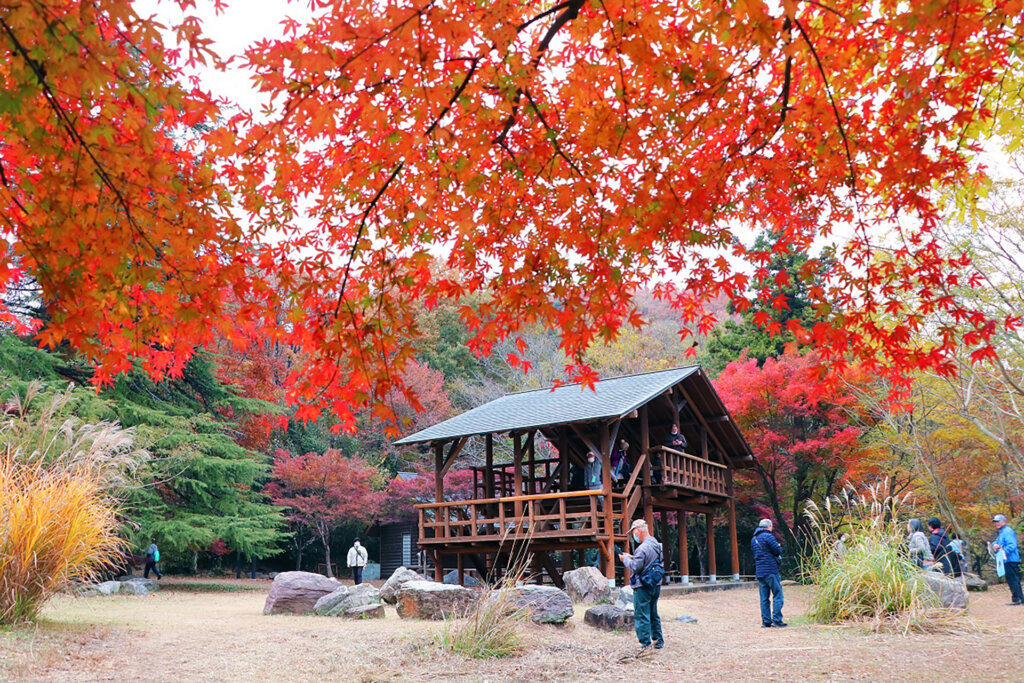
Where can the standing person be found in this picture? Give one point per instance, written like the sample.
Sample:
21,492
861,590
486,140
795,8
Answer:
592,472
648,569
357,557
917,544
767,552
152,557
620,465
942,549
1006,541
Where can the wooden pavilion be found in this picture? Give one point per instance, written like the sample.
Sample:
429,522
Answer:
529,500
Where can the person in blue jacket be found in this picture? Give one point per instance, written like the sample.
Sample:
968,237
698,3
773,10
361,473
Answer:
767,552
1007,542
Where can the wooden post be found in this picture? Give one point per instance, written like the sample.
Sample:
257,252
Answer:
531,487
517,478
733,543
606,487
438,477
704,442
438,567
564,461
712,566
645,449
684,548
460,569
489,466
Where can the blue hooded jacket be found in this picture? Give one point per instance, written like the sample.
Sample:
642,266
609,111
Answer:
767,552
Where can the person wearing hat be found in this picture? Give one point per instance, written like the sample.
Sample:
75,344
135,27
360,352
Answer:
1006,541
357,557
647,567
767,552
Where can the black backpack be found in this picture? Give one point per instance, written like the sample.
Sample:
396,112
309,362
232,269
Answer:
654,573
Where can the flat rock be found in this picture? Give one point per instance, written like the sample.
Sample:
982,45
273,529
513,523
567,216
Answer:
149,584
975,583
133,588
546,604
431,600
452,579
389,591
686,619
609,618
345,598
587,585
365,612
108,588
625,599
950,591
297,592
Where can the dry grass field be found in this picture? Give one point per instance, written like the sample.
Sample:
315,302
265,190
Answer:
216,635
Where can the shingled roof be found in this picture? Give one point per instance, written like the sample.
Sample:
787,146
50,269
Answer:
610,398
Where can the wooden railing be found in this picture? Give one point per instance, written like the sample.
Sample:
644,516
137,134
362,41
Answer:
548,516
503,476
690,472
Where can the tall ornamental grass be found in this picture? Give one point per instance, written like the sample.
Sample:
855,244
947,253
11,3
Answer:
56,526
871,581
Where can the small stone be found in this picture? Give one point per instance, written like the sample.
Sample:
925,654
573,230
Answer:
365,612
609,618
452,579
686,619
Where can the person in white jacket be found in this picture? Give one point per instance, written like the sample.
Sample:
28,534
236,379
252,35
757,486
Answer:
357,557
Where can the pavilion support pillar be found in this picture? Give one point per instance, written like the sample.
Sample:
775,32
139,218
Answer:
460,569
684,548
438,473
645,450
712,565
489,466
517,477
563,462
438,567
567,561
606,488
733,543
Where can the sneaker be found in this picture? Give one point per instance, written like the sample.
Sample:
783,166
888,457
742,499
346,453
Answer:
658,646
766,625
1015,603
779,624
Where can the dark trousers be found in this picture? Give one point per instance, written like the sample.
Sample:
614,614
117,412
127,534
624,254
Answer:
150,564
770,586
1013,580
645,615
357,575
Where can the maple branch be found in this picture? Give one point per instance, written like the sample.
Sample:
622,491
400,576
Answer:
825,7
359,234
10,190
832,101
554,138
543,14
455,96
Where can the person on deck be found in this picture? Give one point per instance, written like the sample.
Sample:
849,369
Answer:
673,440
152,557
942,549
620,464
592,472
767,552
1007,542
917,544
646,565
357,557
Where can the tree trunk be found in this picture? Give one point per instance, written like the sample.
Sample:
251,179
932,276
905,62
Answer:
327,556
195,562
298,559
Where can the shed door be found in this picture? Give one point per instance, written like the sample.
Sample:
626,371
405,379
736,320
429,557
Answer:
406,550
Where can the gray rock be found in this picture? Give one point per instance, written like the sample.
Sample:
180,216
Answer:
149,584
389,591
609,618
625,599
345,598
975,583
951,592
86,590
546,604
365,612
431,600
133,588
587,585
297,592
686,619
108,588
452,579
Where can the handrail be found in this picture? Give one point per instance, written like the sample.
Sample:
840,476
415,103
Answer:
511,465
519,499
636,471
692,457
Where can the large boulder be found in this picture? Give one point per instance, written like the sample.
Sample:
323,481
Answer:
389,591
365,612
133,588
609,618
587,585
950,591
431,600
625,599
297,592
108,588
345,598
452,579
149,584
546,604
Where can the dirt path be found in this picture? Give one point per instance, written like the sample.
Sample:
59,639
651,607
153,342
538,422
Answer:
224,636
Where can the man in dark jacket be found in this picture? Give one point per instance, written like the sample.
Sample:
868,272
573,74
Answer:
942,549
645,597
767,552
152,557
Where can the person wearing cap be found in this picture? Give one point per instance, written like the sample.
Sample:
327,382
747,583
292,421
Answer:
645,597
1006,540
357,557
767,552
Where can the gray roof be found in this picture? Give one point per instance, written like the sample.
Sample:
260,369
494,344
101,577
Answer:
616,397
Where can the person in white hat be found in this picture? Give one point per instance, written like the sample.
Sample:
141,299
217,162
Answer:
648,569
1007,542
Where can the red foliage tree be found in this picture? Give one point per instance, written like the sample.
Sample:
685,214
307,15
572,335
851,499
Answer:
801,426
409,488
324,491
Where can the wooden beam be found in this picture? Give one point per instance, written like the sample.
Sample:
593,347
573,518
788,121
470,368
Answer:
452,453
712,564
721,448
606,487
645,450
517,475
733,543
438,473
489,466
586,439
